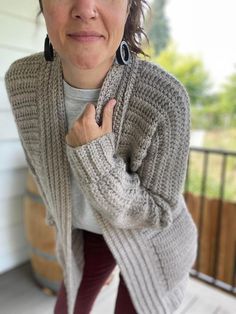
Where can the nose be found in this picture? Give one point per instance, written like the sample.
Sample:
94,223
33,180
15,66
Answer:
84,9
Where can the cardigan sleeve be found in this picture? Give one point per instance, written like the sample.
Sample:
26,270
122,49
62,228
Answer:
129,199
14,73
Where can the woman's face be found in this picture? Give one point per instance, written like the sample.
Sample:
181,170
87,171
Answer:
85,33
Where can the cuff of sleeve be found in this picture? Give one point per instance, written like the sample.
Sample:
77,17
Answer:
93,159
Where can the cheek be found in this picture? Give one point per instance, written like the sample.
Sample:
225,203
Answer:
54,15
55,20
117,25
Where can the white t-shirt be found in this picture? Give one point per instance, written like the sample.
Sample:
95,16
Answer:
75,102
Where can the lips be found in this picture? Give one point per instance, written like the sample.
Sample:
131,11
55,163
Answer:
85,35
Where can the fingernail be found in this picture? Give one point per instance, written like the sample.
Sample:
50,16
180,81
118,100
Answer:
112,102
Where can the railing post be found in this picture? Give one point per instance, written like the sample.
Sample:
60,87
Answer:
212,280
219,220
201,209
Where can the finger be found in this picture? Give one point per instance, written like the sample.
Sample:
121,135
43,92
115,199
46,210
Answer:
107,116
89,110
88,115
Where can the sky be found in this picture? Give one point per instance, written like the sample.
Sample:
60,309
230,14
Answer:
206,28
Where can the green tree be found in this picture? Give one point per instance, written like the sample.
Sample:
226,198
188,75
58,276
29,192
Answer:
227,95
157,27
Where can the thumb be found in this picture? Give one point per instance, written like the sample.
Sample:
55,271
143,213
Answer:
107,115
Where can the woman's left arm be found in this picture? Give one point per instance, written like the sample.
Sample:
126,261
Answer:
148,197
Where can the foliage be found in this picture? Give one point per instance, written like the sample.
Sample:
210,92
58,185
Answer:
157,26
227,95
210,117
218,110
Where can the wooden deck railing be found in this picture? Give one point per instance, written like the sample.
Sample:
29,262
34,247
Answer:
216,222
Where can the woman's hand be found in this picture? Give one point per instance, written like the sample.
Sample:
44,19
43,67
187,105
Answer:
85,129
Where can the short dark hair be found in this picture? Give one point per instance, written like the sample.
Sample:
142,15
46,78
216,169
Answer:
133,29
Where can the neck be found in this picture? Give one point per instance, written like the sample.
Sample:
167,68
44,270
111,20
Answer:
85,78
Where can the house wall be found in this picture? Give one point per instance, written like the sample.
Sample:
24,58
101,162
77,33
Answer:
20,36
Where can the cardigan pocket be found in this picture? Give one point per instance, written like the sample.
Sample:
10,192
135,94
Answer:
174,249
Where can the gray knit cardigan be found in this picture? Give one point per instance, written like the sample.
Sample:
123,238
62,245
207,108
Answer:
133,176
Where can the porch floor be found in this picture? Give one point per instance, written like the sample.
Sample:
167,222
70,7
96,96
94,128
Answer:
19,294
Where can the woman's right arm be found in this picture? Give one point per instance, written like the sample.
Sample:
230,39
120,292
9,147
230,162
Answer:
49,219
14,93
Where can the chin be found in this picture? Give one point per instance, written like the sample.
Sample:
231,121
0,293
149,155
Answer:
87,63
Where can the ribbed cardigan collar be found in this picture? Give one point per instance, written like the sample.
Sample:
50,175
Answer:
53,129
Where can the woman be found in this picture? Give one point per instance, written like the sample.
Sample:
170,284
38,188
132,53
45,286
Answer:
106,136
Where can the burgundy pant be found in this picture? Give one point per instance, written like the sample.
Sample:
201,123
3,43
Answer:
99,264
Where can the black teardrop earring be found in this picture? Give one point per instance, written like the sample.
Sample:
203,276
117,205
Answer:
123,53
48,50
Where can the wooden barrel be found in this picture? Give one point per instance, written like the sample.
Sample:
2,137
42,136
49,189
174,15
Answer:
41,239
